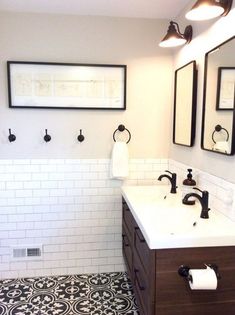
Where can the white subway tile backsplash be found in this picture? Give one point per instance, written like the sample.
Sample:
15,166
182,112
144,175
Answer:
6,177
50,184
41,193
56,161
24,193
21,176
21,162
30,185
14,185
221,192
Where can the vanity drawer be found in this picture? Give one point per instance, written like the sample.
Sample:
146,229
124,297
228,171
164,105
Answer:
143,287
128,219
171,259
146,255
200,309
127,251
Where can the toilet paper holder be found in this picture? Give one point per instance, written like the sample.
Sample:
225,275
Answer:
183,271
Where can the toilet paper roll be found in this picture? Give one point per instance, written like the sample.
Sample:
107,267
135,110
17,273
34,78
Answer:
203,279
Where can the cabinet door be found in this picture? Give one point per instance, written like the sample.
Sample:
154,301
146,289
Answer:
173,291
145,254
143,286
140,262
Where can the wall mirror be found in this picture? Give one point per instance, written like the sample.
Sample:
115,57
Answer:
218,124
185,98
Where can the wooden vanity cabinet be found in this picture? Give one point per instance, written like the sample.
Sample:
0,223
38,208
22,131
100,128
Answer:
140,262
160,290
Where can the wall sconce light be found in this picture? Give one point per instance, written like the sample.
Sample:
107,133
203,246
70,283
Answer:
174,37
209,9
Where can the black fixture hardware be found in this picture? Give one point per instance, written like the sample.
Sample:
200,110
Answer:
11,137
122,128
209,9
204,200
172,180
47,137
174,37
183,271
218,128
80,136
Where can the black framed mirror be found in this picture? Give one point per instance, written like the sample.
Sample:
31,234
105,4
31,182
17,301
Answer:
185,99
218,117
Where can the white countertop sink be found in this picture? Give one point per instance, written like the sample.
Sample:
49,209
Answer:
166,223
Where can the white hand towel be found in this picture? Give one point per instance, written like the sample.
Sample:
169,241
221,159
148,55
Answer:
120,160
222,146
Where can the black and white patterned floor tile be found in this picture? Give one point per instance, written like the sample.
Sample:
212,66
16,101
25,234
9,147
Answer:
94,294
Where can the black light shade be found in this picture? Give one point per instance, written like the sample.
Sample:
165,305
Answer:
174,37
209,9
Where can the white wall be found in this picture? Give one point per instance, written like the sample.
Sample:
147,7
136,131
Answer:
207,35
60,194
57,38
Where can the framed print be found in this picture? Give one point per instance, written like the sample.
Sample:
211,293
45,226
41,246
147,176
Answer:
66,85
225,88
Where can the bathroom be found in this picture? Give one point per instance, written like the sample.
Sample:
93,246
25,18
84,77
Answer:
58,196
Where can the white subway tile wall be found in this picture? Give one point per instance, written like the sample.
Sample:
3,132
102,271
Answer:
71,207
221,192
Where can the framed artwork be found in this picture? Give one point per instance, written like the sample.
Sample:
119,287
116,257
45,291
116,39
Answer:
225,88
66,85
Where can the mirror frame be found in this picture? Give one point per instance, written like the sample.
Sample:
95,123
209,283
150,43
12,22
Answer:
204,105
193,104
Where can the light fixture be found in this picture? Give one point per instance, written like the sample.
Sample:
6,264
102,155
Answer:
209,9
174,37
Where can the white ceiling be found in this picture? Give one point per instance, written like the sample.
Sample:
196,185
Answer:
122,8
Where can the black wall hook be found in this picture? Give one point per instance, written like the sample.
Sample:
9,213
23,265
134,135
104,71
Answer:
80,136
47,137
122,128
11,137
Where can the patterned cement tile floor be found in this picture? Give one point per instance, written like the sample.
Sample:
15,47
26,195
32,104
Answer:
92,294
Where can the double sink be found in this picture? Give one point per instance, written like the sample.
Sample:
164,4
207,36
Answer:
167,223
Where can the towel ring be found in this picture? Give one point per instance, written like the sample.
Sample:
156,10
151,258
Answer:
218,128
122,128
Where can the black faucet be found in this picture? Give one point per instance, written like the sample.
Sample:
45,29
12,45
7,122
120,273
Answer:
203,201
172,180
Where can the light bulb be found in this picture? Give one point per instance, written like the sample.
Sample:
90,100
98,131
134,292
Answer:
204,12
173,42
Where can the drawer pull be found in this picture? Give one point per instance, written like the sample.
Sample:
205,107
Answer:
142,288
123,239
140,237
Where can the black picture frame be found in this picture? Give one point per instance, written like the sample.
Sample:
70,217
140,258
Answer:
51,85
224,104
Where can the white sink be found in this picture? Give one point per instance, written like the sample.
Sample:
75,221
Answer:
166,223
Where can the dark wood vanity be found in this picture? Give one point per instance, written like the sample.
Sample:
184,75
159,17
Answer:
157,285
